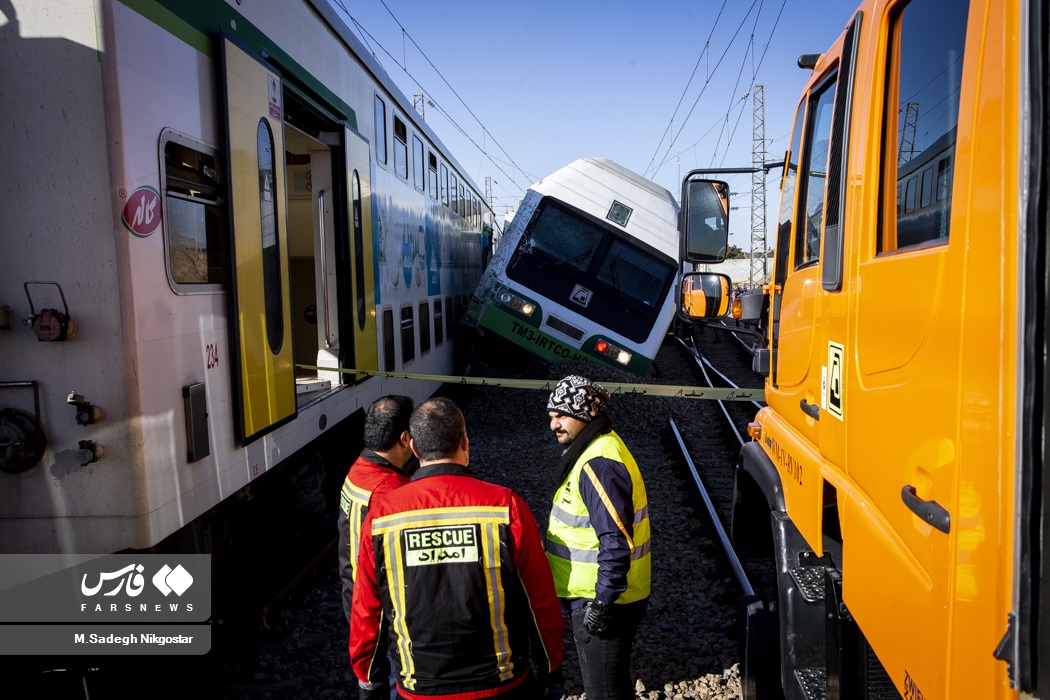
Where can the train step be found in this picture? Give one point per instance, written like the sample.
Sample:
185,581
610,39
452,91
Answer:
809,580
813,682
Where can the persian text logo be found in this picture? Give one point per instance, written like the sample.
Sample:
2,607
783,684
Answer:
130,575
130,579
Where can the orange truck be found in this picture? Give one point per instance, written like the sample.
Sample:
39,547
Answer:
897,476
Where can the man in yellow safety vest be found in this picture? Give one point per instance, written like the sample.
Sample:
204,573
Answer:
598,537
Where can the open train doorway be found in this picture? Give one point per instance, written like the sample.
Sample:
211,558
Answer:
316,211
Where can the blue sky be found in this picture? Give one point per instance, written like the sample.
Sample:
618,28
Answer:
521,89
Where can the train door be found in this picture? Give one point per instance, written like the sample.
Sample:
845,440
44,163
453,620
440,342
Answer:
260,310
361,321
903,402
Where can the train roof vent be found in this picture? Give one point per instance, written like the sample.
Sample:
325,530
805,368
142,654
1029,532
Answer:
563,327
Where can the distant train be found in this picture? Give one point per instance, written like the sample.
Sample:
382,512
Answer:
586,269
207,200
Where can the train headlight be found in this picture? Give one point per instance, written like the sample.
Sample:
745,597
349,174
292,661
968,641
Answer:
517,303
601,346
623,357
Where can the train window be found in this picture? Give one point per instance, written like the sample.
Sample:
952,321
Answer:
388,340
271,248
927,187
380,117
408,335
909,196
453,183
450,319
433,162
566,238
463,209
444,184
424,327
196,230
400,149
920,117
633,273
814,173
439,324
418,171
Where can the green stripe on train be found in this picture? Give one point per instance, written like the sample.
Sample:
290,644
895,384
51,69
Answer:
532,339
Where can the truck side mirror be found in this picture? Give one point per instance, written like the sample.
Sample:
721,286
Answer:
704,220
704,295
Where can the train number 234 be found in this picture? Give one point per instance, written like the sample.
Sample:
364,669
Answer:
211,350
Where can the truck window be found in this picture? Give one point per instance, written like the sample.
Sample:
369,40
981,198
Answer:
814,173
787,199
924,78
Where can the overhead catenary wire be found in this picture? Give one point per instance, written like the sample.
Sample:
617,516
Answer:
722,119
685,90
432,102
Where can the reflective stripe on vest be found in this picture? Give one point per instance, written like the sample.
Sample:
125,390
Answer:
572,544
353,501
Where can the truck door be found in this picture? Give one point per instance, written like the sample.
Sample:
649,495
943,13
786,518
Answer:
260,318
903,404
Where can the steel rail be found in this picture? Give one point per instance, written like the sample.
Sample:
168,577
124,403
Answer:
720,531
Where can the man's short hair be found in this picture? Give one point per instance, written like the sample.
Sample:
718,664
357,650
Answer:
386,419
437,427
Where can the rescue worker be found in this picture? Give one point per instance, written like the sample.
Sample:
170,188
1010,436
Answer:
457,565
598,537
384,464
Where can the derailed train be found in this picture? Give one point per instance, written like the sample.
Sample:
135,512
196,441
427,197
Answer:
586,269
211,209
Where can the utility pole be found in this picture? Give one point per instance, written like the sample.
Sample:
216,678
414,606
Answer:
488,190
758,187
911,123
418,103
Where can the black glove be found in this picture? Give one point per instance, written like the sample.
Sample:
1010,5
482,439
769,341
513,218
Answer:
373,691
554,690
596,618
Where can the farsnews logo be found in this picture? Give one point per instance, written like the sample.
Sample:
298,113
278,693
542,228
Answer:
130,580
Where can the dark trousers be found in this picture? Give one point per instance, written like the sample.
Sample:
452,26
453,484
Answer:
605,662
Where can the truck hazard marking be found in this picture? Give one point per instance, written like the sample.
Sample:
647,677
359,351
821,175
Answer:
833,391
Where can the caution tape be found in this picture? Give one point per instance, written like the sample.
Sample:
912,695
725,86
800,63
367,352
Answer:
680,392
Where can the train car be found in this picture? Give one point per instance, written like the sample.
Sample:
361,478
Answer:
897,477
586,269
210,209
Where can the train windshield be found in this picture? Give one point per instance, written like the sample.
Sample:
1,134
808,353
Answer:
563,249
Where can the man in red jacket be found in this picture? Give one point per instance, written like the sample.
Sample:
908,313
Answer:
462,578
384,464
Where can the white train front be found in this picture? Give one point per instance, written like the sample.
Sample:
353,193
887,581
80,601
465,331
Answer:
202,201
585,270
